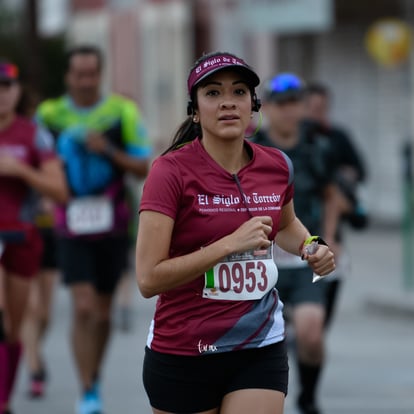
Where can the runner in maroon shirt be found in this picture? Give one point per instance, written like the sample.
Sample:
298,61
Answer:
211,208
27,164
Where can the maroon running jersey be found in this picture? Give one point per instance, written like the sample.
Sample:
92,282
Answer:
23,140
208,203
31,145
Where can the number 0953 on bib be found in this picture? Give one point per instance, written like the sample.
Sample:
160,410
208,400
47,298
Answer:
242,276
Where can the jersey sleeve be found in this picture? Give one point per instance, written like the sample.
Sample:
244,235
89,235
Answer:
134,132
47,116
44,144
44,113
163,188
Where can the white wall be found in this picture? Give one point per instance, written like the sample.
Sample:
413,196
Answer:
92,27
374,103
166,53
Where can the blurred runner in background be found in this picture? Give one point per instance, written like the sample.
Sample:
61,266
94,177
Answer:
39,309
313,198
100,139
350,172
27,164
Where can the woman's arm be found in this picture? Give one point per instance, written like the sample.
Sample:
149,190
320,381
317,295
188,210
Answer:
99,144
48,180
157,273
291,233
291,237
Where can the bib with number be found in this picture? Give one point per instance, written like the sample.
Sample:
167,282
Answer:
90,215
242,276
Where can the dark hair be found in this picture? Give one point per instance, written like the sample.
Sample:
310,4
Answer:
22,106
83,50
190,130
317,88
28,102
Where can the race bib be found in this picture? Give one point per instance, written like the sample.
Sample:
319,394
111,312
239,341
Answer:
242,276
90,215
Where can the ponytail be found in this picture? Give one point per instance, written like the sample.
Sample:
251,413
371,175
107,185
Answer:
188,131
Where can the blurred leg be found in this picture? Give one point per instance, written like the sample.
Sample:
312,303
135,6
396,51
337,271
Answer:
82,335
36,325
102,330
90,336
309,328
123,305
16,294
3,348
332,291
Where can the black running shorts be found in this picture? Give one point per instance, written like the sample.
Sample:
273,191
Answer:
189,384
295,287
100,261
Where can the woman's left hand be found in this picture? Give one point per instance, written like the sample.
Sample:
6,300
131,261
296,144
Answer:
322,261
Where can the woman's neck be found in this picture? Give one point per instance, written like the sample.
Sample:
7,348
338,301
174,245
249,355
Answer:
6,120
230,155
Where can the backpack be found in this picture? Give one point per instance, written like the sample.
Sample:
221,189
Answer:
87,173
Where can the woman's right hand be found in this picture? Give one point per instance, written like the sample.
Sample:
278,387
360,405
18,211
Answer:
252,235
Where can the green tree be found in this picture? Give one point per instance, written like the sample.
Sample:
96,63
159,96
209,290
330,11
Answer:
40,59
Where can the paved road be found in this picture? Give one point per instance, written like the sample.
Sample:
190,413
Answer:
370,366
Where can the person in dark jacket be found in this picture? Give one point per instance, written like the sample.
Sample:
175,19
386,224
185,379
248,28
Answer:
314,198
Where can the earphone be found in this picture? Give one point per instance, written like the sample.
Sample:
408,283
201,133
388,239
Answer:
255,106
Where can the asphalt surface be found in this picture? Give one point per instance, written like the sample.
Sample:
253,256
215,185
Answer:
370,345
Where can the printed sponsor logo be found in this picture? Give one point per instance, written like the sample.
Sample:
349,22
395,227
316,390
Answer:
232,200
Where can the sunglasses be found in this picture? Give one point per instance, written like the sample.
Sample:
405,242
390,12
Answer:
285,82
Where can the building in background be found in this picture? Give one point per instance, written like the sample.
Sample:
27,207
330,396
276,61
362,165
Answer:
324,40
150,44
148,49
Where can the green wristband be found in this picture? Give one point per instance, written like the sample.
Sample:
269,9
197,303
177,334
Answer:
310,240
316,239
